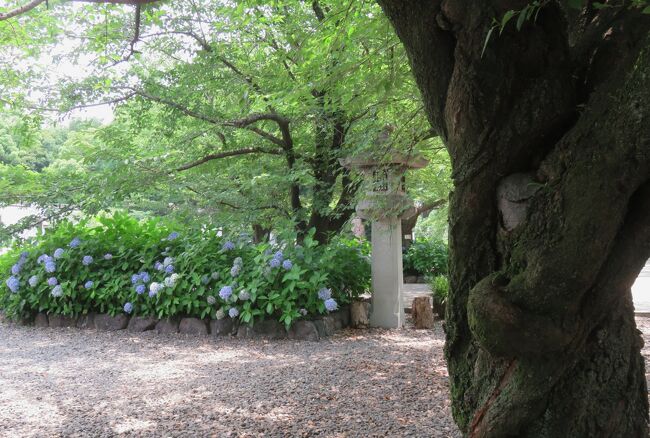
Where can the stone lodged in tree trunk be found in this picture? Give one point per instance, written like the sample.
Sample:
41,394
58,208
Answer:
547,129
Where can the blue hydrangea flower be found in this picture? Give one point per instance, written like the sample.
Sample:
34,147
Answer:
144,276
108,256
139,289
33,280
244,295
275,263
42,258
24,255
128,308
169,269
158,266
89,284
225,292
87,260
58,253
287,264
13,283
233,312
325,294
235,270
205,279
75,242
15,269
52,281
331,305
170,282
211,300
135,278
168,261
278,255
173,236
50,266
228,246
57,291
215,275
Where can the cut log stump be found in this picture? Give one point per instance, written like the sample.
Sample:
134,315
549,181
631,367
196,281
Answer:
360,314
422,313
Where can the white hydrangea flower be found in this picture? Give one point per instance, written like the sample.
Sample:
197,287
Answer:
244,295
221,314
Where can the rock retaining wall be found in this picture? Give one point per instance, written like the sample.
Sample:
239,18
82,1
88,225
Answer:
306,330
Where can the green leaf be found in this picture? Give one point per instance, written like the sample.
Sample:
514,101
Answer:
506,17
522,17
487,40
575,4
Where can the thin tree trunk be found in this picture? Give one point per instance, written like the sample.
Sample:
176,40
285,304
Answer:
546,127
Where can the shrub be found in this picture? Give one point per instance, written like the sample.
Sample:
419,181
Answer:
117,264
439,288
426,257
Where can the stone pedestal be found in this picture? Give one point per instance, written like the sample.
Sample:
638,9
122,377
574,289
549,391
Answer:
387,308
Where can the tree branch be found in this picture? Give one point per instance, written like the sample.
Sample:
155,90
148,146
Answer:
183,109
244,151
118,2
318,10
20,10
243,123
31,5
425,208
76,107
136,36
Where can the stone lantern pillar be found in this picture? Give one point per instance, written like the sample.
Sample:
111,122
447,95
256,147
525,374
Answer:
384,204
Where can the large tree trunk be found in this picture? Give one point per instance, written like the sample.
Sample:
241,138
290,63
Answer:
550,215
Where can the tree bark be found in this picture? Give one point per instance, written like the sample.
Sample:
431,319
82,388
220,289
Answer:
260,233
547,131
410,220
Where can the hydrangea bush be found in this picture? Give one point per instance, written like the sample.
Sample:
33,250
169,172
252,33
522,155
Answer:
116,264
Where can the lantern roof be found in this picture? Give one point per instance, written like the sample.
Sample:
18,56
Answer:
369,160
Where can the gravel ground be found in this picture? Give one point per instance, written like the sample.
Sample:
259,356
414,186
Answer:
68,382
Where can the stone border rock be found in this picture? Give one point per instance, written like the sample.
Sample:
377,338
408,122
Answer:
304,330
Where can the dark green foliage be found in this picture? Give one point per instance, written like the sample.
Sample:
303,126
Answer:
439,287
427,257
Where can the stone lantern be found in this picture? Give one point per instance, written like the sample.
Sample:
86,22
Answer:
384,205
